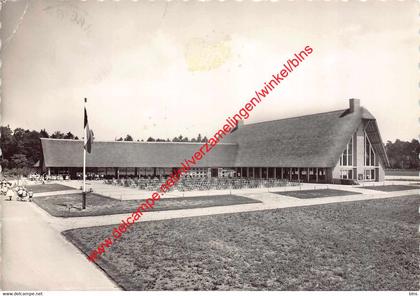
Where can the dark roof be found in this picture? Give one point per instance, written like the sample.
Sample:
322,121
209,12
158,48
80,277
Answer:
315,140
69,153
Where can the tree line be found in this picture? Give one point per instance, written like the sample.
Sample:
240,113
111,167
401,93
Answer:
180,138
403,154
21,148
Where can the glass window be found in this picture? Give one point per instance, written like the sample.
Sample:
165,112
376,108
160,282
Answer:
346,158
369,153
372,157
367,149
346,174
368,174
350,152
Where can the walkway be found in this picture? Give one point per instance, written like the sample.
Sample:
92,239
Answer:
37,257
269,201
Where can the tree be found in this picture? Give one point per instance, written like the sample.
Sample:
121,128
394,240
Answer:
128,138
18,136
180,138
21,148
8,145
204,139
20,161
57,135
69,135
31,146
199,139
150,139
403,154
120,139
5,164
43,134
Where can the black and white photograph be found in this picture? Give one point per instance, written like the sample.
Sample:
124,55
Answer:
209,146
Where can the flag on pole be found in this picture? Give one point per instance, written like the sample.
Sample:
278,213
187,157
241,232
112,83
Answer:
88,134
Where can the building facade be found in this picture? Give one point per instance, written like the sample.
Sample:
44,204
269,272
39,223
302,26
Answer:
324,147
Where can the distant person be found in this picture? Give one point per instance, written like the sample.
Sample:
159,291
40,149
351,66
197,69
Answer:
30,195
9,193
24,194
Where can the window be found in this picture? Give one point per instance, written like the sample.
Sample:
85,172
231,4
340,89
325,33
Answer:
370,174
369,153
346,159
350,152
346,174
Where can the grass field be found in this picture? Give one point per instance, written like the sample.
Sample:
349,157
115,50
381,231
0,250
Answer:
390,188
364,245
403,179
316,193
401,172
48,187
101,205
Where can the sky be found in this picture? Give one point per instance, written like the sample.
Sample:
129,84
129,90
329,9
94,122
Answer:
162,69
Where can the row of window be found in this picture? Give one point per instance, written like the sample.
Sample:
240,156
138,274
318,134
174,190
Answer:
346,158
369,174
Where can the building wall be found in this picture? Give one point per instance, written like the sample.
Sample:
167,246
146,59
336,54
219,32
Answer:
335,172
381,173
360,152
359,160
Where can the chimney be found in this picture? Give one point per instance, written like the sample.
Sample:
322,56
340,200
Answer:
354,105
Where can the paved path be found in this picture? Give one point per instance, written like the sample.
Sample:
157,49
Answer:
62,192
269,201
37,257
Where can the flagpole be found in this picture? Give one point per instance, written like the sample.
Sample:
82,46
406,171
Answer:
84,161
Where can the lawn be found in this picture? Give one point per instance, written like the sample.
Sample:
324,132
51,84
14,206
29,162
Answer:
101,205
364,245
314,193
48,187
390,188
401,172
411,179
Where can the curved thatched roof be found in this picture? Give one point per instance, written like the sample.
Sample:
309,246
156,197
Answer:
315,140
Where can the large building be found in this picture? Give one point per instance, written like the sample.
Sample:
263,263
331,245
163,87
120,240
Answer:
324,147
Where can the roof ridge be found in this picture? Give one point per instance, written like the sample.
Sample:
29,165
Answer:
136,142
341,110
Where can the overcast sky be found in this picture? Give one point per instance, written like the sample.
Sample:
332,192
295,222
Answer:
167,68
